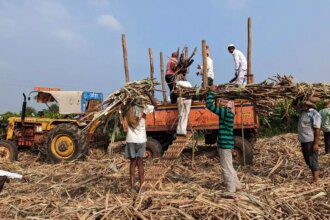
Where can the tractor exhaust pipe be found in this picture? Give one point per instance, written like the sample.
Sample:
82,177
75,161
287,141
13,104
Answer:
23,108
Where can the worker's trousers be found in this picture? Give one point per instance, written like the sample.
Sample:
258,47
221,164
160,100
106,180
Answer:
184,110
231,180
241,79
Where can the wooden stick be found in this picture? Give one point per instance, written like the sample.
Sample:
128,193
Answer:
186,56
204,64
250,76
162,76
123,39
152,69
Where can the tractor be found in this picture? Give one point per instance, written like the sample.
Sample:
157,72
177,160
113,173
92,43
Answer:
60,139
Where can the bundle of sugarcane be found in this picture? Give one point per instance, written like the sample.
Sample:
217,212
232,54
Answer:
183,63
267,94
120,100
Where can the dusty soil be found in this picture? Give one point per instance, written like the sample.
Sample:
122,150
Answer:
276,186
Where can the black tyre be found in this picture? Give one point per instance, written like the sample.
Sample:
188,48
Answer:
239,149
66,142
8,151
101,137
154,148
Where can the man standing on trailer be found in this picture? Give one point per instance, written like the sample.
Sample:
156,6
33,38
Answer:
240,65
136,138
309,135
325,115
171,68
226,113
209,71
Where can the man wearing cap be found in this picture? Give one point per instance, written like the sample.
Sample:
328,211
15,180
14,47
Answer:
325,115
309,135
226,113
240,65
171,69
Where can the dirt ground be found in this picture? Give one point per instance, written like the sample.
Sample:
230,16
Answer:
276,186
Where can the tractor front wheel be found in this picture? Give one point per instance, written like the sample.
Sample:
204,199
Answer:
8,151
66,142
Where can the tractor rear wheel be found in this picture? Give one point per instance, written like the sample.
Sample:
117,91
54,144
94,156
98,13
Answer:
8,151
239,148
154,149
66,142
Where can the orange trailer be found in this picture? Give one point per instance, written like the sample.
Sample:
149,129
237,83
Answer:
161,127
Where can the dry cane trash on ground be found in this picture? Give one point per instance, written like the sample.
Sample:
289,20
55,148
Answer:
276,186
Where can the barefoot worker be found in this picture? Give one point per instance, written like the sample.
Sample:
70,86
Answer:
136,139
309,135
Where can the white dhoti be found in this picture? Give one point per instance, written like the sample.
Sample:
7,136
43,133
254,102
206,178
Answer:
231,180
241,77
184,110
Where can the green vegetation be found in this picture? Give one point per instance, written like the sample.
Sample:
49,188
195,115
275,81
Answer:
284,120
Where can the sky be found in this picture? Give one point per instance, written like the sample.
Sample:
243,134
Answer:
76,44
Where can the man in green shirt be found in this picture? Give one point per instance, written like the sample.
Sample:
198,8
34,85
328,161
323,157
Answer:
325,125
226,113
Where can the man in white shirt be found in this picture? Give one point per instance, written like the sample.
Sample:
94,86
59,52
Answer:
240,65
209,71
136,138
5,176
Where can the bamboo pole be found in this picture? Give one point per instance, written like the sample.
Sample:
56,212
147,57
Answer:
250,76
186,56
123,39
204,64
152,69
162,75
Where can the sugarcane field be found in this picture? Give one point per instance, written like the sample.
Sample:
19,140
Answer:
120,110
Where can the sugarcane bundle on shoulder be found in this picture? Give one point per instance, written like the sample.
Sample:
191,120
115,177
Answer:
120,100
267,94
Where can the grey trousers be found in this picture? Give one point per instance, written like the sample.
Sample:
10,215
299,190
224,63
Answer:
232,182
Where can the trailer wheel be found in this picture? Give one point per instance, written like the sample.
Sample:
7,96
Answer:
8,151
101,137
154,149
66,142
238,151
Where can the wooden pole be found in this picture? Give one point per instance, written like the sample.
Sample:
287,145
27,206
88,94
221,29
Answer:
186,56
250,76
123,39
186,52
152,69
162,75
204,64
